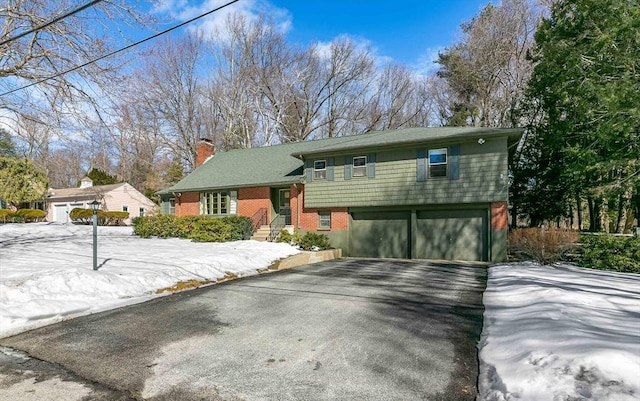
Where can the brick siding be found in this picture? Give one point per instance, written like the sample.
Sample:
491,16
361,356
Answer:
188,204
499,216
250,200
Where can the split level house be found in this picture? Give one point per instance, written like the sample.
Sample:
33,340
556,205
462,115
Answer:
423,193
121,197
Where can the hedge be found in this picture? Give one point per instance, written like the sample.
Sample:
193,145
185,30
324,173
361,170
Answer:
608,252
109,218
22,215
197,228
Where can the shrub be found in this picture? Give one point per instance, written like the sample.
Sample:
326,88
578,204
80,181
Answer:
162,226
285,236
241,227
607,252
311,241
110,218
544,245
113,218
31,215
7,216
211,230
80,215
198,228
22,215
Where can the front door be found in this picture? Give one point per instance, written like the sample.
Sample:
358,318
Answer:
284,204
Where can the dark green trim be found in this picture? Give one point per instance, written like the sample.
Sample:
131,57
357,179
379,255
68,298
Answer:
348,162
330,163
421,165
371,165
454,162
309,167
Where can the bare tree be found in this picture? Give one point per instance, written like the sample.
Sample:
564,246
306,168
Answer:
233,93
486,72
171,84
326,85
401,99
46,53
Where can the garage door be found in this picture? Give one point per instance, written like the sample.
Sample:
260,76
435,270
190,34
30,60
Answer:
379,234
452,235
60,214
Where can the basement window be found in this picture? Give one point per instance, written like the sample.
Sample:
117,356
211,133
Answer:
324,220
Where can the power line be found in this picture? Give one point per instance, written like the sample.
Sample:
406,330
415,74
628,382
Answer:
53,21
120,50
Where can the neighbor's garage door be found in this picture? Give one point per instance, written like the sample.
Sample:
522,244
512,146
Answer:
451,235
379,234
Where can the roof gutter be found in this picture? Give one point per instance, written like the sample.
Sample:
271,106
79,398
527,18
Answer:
489,133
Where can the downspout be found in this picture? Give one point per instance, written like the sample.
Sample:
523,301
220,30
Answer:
298,206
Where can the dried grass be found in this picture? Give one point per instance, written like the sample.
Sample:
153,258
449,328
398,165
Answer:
544,245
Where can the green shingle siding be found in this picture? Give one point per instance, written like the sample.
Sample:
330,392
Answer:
482,178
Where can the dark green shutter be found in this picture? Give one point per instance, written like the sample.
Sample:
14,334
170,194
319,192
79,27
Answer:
330,169
348,162
421,160
309,165
454,162
371,165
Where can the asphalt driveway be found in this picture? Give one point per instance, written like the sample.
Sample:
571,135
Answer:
342,330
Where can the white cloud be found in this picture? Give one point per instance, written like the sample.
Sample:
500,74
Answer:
166,6
426,64
323,49
183,10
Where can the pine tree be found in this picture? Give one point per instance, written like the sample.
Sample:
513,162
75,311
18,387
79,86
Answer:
586,87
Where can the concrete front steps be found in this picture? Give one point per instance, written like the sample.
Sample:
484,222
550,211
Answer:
263,232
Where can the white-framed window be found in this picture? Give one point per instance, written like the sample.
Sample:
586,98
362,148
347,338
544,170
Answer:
324,220
141,212
214,202
360,166
172,205
319,169
437,163
125,208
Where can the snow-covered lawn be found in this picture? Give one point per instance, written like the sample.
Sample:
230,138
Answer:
46,270
550,333
560,333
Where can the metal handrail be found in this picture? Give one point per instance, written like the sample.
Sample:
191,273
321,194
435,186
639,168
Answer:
276,225
259,218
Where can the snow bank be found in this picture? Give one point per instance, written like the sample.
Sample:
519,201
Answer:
560,333
46,270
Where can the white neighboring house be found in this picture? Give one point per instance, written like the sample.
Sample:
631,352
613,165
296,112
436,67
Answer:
120,197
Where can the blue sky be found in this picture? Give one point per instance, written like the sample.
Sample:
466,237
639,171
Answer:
404,30
408,31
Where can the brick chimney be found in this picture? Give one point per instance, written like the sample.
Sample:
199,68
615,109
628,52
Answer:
204,150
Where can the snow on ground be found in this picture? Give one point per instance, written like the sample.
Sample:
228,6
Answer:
550,333
560,333
46,270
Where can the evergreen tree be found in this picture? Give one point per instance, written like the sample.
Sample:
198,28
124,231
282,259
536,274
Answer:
100,177
21,181
585,89
7,147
